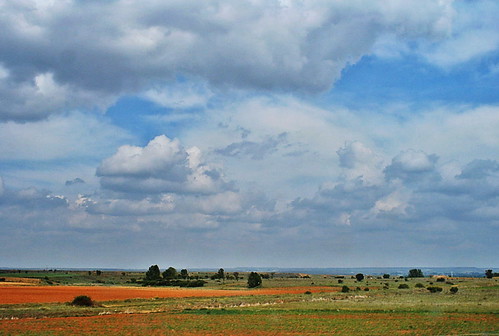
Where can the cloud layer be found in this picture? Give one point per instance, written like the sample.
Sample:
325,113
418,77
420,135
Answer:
73,54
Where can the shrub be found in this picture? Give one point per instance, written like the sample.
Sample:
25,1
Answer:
366,289
340,281
453,290
359,276
403,286
254,280
83,301
419,285
308,292
440,279
386,276
2,279
434,289
345,289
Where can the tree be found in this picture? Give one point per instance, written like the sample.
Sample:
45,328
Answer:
184,274
170,273
415,273
254,280
359,276
221,274
386,276
98,272
236,275
489,274
153,273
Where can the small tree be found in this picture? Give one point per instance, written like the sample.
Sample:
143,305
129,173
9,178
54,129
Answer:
170,273
254,280
386,276
345,289
236,276
184,274
453,290
489,274
153,273
359,276
221,274
415,273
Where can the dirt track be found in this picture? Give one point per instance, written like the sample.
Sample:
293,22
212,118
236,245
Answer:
40,294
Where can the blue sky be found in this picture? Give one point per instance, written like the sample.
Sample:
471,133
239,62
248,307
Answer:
249,133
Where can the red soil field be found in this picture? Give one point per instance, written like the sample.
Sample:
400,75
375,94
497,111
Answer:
40,294
258,325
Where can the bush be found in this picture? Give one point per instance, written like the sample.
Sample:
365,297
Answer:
254,280
359,276
366,289
403,286
434,289
345,289
453,290
83,301
440,279
308,292
419,285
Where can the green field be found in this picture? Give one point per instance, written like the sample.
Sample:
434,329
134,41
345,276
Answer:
384,309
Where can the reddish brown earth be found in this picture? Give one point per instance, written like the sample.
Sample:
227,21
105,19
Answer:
40,294
254,324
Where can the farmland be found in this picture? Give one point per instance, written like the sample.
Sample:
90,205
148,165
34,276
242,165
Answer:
314,305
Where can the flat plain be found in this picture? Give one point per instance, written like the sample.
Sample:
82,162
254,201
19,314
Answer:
284,305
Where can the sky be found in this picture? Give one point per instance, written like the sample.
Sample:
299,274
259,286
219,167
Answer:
249,133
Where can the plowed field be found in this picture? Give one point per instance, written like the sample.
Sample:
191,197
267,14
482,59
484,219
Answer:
41,294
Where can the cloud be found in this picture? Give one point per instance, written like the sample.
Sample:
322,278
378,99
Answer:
70,136
31,198
77,54
479,169
182,95
255,150
162,166
475,32
125,207
41,96
412,165
74,181
361,162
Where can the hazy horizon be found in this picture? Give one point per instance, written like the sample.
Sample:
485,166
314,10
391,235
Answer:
246,132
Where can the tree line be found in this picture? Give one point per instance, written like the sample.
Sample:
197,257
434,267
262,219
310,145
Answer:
171,277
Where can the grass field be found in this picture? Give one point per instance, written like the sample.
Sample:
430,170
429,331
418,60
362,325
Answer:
310,309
